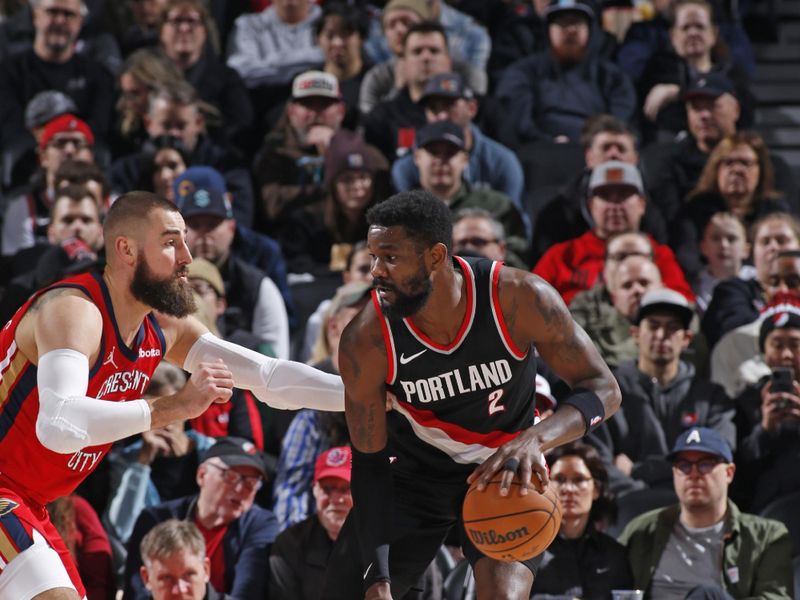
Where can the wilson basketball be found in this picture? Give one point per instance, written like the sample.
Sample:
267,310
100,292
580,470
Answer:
514,527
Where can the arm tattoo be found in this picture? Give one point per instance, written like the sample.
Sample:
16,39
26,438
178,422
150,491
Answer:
49,296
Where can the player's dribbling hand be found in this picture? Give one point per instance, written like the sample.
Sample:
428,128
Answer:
521,455
379,591
211,382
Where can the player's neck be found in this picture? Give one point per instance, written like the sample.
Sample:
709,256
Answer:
128,311
443,314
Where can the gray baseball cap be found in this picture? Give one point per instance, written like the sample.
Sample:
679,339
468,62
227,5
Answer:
615,172
46,106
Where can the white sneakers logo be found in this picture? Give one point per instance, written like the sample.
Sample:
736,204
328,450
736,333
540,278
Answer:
404,360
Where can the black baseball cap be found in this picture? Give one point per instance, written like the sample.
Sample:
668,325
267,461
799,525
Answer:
446,85
710,85
559,7
441,131
237,452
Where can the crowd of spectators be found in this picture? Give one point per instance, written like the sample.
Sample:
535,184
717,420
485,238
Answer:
620,165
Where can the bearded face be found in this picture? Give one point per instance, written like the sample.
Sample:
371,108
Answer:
171,295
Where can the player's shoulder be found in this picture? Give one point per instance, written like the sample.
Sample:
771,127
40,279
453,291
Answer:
364,326
67,301
519,281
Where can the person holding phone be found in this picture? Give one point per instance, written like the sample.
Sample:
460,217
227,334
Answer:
768,413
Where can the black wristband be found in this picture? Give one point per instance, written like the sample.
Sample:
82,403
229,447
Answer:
373,499
589,405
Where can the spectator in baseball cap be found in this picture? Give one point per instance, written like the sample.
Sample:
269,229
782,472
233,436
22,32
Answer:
298,557
441,158
318,238
64,137
237,531
205,204
289,165
616,204
44,107
447,97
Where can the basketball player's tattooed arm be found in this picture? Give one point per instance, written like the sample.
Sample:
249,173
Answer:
363,366
536,314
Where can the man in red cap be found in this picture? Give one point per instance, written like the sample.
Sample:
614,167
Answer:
27,216
300,554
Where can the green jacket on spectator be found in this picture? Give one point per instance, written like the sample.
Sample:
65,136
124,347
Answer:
757,550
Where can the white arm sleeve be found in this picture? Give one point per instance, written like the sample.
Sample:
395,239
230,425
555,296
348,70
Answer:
68,419
279,383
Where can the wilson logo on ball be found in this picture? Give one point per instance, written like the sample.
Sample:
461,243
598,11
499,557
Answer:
492,537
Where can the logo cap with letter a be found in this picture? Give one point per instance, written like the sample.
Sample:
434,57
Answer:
702,439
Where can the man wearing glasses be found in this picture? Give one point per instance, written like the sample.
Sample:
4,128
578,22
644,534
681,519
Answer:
26,217
704,547
237,533
54,64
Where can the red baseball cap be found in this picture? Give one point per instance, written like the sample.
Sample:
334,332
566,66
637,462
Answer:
65,124
334,462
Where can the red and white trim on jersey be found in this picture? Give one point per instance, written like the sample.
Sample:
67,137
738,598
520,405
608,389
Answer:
461,445
12,350
466,324
388,340
497,313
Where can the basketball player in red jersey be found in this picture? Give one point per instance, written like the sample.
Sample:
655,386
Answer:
452,339
74,363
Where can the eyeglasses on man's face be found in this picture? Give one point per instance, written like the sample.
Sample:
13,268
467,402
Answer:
234,478
704,466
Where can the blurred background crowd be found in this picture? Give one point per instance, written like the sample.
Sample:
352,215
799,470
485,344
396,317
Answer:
618,150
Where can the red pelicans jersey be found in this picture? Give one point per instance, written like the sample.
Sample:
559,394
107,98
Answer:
456,404
120,373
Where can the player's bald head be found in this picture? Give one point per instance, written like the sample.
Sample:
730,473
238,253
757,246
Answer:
130,216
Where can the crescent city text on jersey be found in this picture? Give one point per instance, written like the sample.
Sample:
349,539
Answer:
124,381
471,378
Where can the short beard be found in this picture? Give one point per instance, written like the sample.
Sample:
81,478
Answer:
170,296
406,305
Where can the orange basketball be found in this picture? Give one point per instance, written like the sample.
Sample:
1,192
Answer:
514,527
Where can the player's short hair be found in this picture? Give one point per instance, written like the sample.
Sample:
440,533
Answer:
132,207
425,218
169,537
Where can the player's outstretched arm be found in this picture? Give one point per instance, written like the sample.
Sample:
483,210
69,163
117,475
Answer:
63,332
535,313
282,384
362,362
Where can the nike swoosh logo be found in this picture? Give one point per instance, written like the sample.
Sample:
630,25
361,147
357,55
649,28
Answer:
602,570
367,571
404,360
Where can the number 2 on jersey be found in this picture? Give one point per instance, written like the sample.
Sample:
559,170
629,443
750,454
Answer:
494,402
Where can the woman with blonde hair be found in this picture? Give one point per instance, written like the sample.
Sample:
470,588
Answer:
738,178
144,71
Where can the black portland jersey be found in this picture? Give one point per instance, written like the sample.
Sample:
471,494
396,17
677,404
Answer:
458,403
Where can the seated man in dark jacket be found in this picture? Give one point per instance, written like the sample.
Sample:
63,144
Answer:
662,396
237,533
551,94
298,559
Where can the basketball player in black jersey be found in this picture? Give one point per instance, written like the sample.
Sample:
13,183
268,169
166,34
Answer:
452,340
